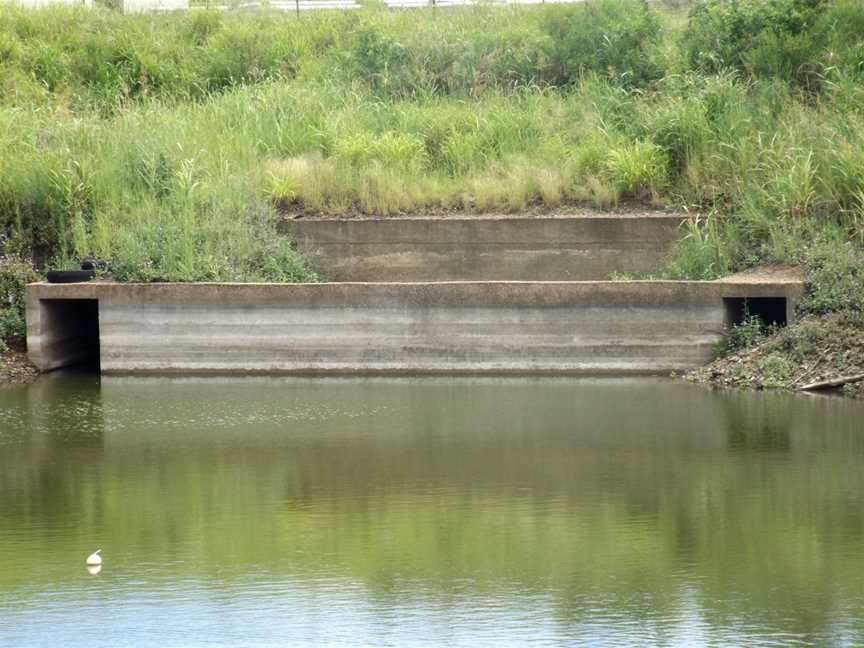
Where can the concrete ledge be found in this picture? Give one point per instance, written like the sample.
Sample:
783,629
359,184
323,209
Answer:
449,327
581,247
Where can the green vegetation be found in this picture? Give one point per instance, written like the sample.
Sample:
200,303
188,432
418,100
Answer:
743,335
14,275
815,348
827,342
169,145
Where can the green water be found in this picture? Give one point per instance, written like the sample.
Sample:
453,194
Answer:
270,512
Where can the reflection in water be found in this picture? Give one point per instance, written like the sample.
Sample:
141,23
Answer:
428,512
757,424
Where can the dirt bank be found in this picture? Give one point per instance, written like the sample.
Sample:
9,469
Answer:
15,368
816,348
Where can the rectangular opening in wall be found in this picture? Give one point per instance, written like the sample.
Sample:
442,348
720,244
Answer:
70,330
769,310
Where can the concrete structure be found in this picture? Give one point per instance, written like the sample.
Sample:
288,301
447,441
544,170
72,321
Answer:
581,247
448,327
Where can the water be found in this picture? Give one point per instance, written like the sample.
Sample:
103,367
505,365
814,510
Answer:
263,512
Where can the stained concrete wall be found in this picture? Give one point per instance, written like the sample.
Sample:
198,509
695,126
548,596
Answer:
459,327
477,248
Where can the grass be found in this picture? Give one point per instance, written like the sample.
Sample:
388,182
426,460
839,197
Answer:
170,145
197,182
825,342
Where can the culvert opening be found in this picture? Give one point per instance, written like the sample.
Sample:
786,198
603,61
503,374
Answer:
771,311
71,327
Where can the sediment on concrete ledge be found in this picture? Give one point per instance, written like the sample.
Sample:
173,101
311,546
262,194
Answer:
576,247
446,327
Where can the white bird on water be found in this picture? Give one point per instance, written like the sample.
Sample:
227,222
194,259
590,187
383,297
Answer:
94,559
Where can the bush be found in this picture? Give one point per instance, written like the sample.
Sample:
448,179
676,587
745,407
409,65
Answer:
681,127
243,54
102,59
383,61
722,33
836,278
449,58
776,371
15,274
742,336
612,38
799,41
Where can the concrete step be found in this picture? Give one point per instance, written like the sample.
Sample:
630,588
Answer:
570,247
396,328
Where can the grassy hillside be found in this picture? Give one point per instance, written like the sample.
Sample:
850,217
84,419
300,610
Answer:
168,145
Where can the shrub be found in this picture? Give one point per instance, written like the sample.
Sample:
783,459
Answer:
383,61
722,33
15,274
843,25
682,128
776,371
446,58
742,336
512,54
243,55
836,278
800,41
103,59
613,38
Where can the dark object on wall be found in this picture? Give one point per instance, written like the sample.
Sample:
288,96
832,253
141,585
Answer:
70,276
93,264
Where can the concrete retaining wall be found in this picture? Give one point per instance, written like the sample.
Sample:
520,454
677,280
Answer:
460,327
475,248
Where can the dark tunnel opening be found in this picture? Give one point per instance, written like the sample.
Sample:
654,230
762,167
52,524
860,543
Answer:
771,311
71,328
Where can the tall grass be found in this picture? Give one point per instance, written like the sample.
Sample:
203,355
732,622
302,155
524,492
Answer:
170,145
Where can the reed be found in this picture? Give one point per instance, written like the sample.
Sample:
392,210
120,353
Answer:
171,145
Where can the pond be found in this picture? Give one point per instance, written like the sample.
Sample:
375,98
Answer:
427,512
